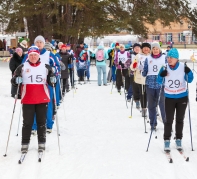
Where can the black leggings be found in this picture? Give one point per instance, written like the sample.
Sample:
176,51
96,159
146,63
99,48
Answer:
119,81
65,84
172,104
139,95
29,111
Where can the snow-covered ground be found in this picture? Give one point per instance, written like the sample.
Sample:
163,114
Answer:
98,139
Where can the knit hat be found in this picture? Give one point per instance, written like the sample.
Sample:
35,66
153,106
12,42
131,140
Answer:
85,46
117,44
68,45
63,46
136,45
173,53
121,45
39,38
60,43
145,44
48,46
19,50
155,44
33,49
24,42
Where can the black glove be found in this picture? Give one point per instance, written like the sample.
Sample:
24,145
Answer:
187,69
49,68
18,70
121,64
164,73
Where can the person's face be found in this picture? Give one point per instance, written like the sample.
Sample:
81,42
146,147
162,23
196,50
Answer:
20,53
63,49
68,47
168,48
137,49
146,50
172,61
39,44
81,45
82,57
59,46
33,57
156,51
121,48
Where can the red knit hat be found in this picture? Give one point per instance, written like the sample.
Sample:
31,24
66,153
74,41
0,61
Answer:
117,44
63,46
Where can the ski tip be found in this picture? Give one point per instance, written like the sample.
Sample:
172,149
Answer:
39,160
187,159
19,162
171,161
5,155
155,137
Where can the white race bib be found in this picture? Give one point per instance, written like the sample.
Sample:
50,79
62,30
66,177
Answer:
175,80
122,57
34,75
45,58
154,65
141,59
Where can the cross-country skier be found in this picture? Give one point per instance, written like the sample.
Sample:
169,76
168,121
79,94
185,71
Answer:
134,91
175,76
34,76
122,62
138,78
154,90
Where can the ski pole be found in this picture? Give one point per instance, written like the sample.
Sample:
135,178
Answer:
155,117
190,125
131,107
124,87
56,117
62,97
16,97
143,96
19,120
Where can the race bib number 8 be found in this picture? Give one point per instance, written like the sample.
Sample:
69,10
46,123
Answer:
155,68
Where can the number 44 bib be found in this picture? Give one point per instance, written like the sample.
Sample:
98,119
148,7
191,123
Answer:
34,75
175,80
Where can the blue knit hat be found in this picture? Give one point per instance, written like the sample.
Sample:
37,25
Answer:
173,53
85,46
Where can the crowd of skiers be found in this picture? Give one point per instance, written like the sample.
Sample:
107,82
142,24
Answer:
149,77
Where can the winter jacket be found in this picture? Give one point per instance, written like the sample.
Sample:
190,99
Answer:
128,61
82,64
138,78
66,59
15,61
24,48
100,47
151,81
188,78
50,60
77,52
34,90
71,53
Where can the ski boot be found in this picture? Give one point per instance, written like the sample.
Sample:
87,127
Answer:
167,145
144,112
137,104
24,148
178,144
41,146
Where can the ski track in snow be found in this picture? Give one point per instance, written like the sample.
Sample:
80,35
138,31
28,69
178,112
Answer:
98,139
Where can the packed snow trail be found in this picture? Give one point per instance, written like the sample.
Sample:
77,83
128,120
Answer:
98,139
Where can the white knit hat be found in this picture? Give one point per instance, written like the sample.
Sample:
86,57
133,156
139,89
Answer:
39,38
155,44
121,45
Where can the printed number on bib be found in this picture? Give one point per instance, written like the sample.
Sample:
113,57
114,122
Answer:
155,69
38,78
173,84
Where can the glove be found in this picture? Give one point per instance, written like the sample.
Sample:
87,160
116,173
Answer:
134,64
121,64
53,79
51,69
187,69
18,70
164,73
141,68
18,80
